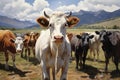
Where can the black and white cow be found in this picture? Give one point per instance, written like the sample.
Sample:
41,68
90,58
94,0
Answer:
111,46
80,44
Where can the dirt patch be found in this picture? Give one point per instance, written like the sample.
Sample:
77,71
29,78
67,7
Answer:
32,71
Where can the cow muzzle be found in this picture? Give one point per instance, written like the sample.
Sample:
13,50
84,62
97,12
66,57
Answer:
18,51
58,39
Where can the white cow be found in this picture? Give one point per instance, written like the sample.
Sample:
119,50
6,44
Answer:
53,47
94,45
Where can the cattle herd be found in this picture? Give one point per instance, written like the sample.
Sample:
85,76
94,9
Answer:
53,47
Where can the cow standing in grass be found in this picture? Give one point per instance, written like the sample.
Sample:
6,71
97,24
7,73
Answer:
30,40
111,46
53,46
7,46
80,44
94,46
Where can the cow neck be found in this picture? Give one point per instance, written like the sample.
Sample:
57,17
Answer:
54,47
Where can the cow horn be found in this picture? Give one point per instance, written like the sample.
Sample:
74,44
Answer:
69,14
46,15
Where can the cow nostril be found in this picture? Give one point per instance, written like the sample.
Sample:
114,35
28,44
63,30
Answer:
58,37
19,51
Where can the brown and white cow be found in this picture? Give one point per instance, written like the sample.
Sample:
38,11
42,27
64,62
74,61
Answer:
53,47
30,40
7,45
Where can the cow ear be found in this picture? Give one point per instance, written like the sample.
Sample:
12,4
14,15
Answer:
37,34
78,36
25,40
97,32
72,21
12,40
91,36
28,34
109,33
43,21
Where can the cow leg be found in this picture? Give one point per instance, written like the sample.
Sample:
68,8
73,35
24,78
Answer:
80,61
48,71
28,57
53,73
33,52
22,53
6,59
43,66
77,59
94,55
84,57
64,71
26,52
13,58
90,54
97,54
116,60
106,62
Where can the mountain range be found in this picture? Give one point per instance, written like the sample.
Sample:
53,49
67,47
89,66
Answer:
89,17
14,23
86,17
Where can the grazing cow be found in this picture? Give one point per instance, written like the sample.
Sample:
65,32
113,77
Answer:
80,44
7,45
30,40
53,46
111,46
94,45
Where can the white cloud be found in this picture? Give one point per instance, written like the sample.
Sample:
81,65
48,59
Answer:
92,5
67,8
14,8
40,4
95,5
24,11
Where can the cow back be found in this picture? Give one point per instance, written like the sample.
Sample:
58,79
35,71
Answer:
5,36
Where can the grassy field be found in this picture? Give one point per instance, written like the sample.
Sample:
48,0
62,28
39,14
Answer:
31,70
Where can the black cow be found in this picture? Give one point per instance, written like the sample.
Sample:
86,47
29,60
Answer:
111,46
80,44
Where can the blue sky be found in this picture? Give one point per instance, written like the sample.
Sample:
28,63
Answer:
31,9
56,3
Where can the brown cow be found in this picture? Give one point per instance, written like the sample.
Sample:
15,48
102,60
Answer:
30,43
7,44
70,35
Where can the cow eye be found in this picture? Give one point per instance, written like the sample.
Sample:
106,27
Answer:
50,25
66,24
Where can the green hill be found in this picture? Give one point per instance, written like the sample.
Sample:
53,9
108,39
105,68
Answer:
107,24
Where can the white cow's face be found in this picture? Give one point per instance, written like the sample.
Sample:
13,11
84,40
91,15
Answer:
19,44
85,39
57,24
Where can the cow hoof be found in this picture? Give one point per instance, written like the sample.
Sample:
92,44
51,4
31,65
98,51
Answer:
94,60
46,79
22,56
14,66
6,67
